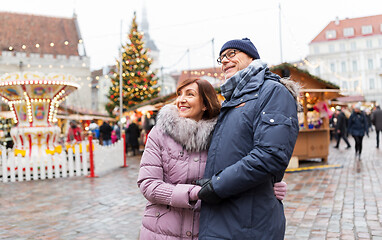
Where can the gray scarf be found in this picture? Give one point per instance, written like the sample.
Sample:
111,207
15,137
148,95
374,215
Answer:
237,82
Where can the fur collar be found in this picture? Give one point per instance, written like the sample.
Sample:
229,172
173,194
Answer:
192,135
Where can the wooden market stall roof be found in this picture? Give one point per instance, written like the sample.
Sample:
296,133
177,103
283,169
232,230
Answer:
309,80
309,83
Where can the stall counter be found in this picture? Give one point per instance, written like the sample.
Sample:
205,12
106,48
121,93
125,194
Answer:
312,143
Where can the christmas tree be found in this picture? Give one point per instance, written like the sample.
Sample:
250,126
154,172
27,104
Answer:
138,81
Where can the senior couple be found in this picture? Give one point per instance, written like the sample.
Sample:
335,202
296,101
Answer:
214,171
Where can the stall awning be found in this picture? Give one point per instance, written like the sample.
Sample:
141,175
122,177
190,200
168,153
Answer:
354,98
147,108
84,117
328,93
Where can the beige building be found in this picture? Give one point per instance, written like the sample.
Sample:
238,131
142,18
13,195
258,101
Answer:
348,53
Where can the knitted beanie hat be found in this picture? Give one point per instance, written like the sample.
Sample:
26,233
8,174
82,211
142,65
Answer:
245,45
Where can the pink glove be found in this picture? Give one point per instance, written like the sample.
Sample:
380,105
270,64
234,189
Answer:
194,193
280,189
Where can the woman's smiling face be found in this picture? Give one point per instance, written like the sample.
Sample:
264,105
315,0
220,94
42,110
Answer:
189,102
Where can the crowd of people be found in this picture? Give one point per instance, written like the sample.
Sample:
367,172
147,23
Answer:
356,123
109,133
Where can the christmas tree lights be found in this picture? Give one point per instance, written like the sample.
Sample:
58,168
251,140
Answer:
138,81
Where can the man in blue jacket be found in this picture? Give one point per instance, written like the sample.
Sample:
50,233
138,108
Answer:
250,149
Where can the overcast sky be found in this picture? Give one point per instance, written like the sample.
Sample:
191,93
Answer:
176,26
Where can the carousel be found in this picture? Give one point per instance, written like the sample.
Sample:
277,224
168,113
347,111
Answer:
34,99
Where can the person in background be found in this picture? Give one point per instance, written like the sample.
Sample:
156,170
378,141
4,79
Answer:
250,149
117,130
132,135
174,158
368,118
358,127
105,133
74,133
376,118
114,137
341,127
94,128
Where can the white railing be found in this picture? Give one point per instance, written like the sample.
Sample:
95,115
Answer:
77,161
107,158
43,167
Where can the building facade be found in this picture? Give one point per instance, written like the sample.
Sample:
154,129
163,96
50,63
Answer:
349,53
45,44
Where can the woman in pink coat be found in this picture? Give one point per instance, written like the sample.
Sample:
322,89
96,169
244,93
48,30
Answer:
174,158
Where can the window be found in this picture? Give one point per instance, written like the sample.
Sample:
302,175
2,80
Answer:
371,83
370,64
380,62
316,49
348,32
356,83
318,71
343,67
368,29
330,34
342,47
380,42
344,85
332,67
331,48
355,66
353,45
369,44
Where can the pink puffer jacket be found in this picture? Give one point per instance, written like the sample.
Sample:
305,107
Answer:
175,156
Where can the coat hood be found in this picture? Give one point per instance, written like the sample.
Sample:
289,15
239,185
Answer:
192,135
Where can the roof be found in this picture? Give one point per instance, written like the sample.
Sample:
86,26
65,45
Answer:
17,29
355,23
353,98
204,72
326,84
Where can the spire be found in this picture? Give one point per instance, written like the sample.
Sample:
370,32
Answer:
145,23
145,29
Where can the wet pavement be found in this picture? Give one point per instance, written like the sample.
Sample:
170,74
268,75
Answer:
334,203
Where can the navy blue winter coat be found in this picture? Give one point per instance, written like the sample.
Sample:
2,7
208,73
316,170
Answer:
250,149
358,125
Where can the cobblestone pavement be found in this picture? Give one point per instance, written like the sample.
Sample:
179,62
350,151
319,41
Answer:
338,203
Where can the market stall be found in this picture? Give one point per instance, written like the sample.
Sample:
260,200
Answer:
314,136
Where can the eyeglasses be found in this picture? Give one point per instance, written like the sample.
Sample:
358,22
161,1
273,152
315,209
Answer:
228,55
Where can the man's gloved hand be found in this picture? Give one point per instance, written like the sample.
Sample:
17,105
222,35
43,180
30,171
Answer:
207,192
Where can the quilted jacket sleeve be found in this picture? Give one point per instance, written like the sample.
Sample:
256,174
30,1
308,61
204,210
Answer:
151,176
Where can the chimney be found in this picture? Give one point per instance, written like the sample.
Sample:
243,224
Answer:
337,21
